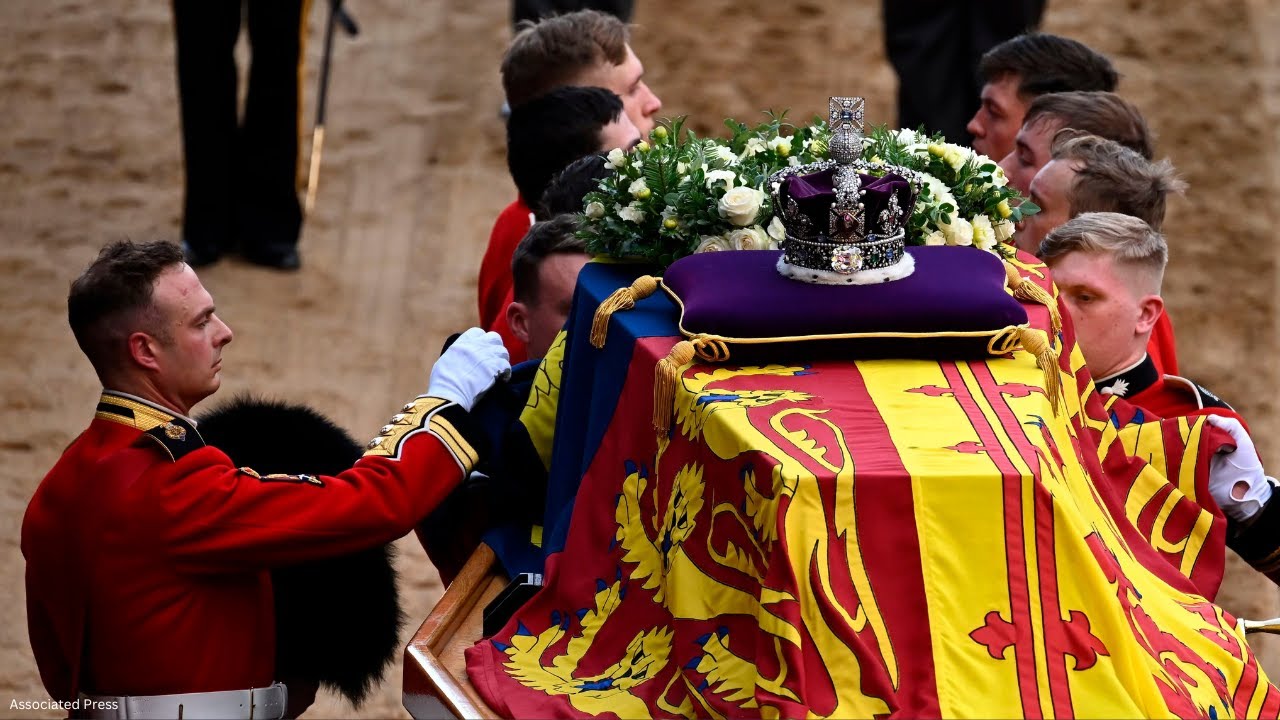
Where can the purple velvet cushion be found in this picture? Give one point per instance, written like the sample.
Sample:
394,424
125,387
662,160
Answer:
740,294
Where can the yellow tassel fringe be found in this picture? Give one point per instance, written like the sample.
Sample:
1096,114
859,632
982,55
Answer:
1036,342
621,299
666,377
1028,291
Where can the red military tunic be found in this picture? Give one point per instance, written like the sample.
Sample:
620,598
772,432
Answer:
1163,394
148,552
1161,347
494,284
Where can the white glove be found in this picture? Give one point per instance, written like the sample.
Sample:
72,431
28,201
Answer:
471,365
1236,479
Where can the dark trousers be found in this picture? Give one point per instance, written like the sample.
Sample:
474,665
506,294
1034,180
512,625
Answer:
241,173
537,9
935,46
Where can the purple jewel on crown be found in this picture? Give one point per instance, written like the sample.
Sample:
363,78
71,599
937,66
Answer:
845,218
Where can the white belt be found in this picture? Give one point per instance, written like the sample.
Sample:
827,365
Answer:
254,704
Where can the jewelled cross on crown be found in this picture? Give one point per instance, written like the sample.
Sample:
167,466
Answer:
846,128
847,217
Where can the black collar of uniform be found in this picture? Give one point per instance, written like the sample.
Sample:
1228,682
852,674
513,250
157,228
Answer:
1130,381
175,433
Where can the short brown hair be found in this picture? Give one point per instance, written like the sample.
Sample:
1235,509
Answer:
1047,63
1130,241
112,298
1113,178
558,50
1104,114
550,237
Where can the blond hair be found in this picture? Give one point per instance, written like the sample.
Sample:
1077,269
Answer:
1130,242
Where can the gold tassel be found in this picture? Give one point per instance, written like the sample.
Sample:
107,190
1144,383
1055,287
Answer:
1028,291
621,299
1037,343
666,377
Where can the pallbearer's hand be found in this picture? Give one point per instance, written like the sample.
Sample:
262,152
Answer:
1236,479
471,365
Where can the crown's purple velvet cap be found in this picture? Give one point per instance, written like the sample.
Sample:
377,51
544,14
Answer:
814,194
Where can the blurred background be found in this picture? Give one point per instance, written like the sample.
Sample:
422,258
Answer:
414,174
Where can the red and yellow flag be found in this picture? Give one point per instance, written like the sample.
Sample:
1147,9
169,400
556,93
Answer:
889,537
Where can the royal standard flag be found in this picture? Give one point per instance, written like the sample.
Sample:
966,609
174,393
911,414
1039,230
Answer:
867,538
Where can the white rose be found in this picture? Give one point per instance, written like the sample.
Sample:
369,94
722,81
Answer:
712,243
682,167
793,161
939,193
631,213
959,232
1004,230
723,154
907,136
754,147
595,210
781,145
637,188
617,158
741,205
935,238
715,176
777,230
751,238
984,236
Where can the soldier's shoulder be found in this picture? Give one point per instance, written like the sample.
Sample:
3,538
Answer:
176,438
1195,392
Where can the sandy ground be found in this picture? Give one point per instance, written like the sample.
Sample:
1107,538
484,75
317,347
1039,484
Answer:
414,174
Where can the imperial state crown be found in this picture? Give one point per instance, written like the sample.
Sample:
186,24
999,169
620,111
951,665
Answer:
845,217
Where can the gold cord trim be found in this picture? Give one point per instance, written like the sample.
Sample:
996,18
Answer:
620,299
666,376
1027,291
1036,342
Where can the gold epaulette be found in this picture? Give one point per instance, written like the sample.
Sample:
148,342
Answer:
175,434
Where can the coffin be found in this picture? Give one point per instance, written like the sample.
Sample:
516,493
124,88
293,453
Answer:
435,673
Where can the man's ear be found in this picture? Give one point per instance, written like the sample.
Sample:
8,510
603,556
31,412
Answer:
1150,308
143,349
518,320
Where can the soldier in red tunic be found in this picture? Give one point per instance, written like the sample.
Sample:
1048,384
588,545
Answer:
148,552
544,136
586,48
1108,268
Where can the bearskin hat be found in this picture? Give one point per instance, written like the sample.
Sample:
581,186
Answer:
338,620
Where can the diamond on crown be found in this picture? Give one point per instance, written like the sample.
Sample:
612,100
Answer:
846,259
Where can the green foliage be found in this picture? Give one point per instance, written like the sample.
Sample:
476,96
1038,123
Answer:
667,196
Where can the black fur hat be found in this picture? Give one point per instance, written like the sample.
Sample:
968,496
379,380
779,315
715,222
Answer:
338,620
